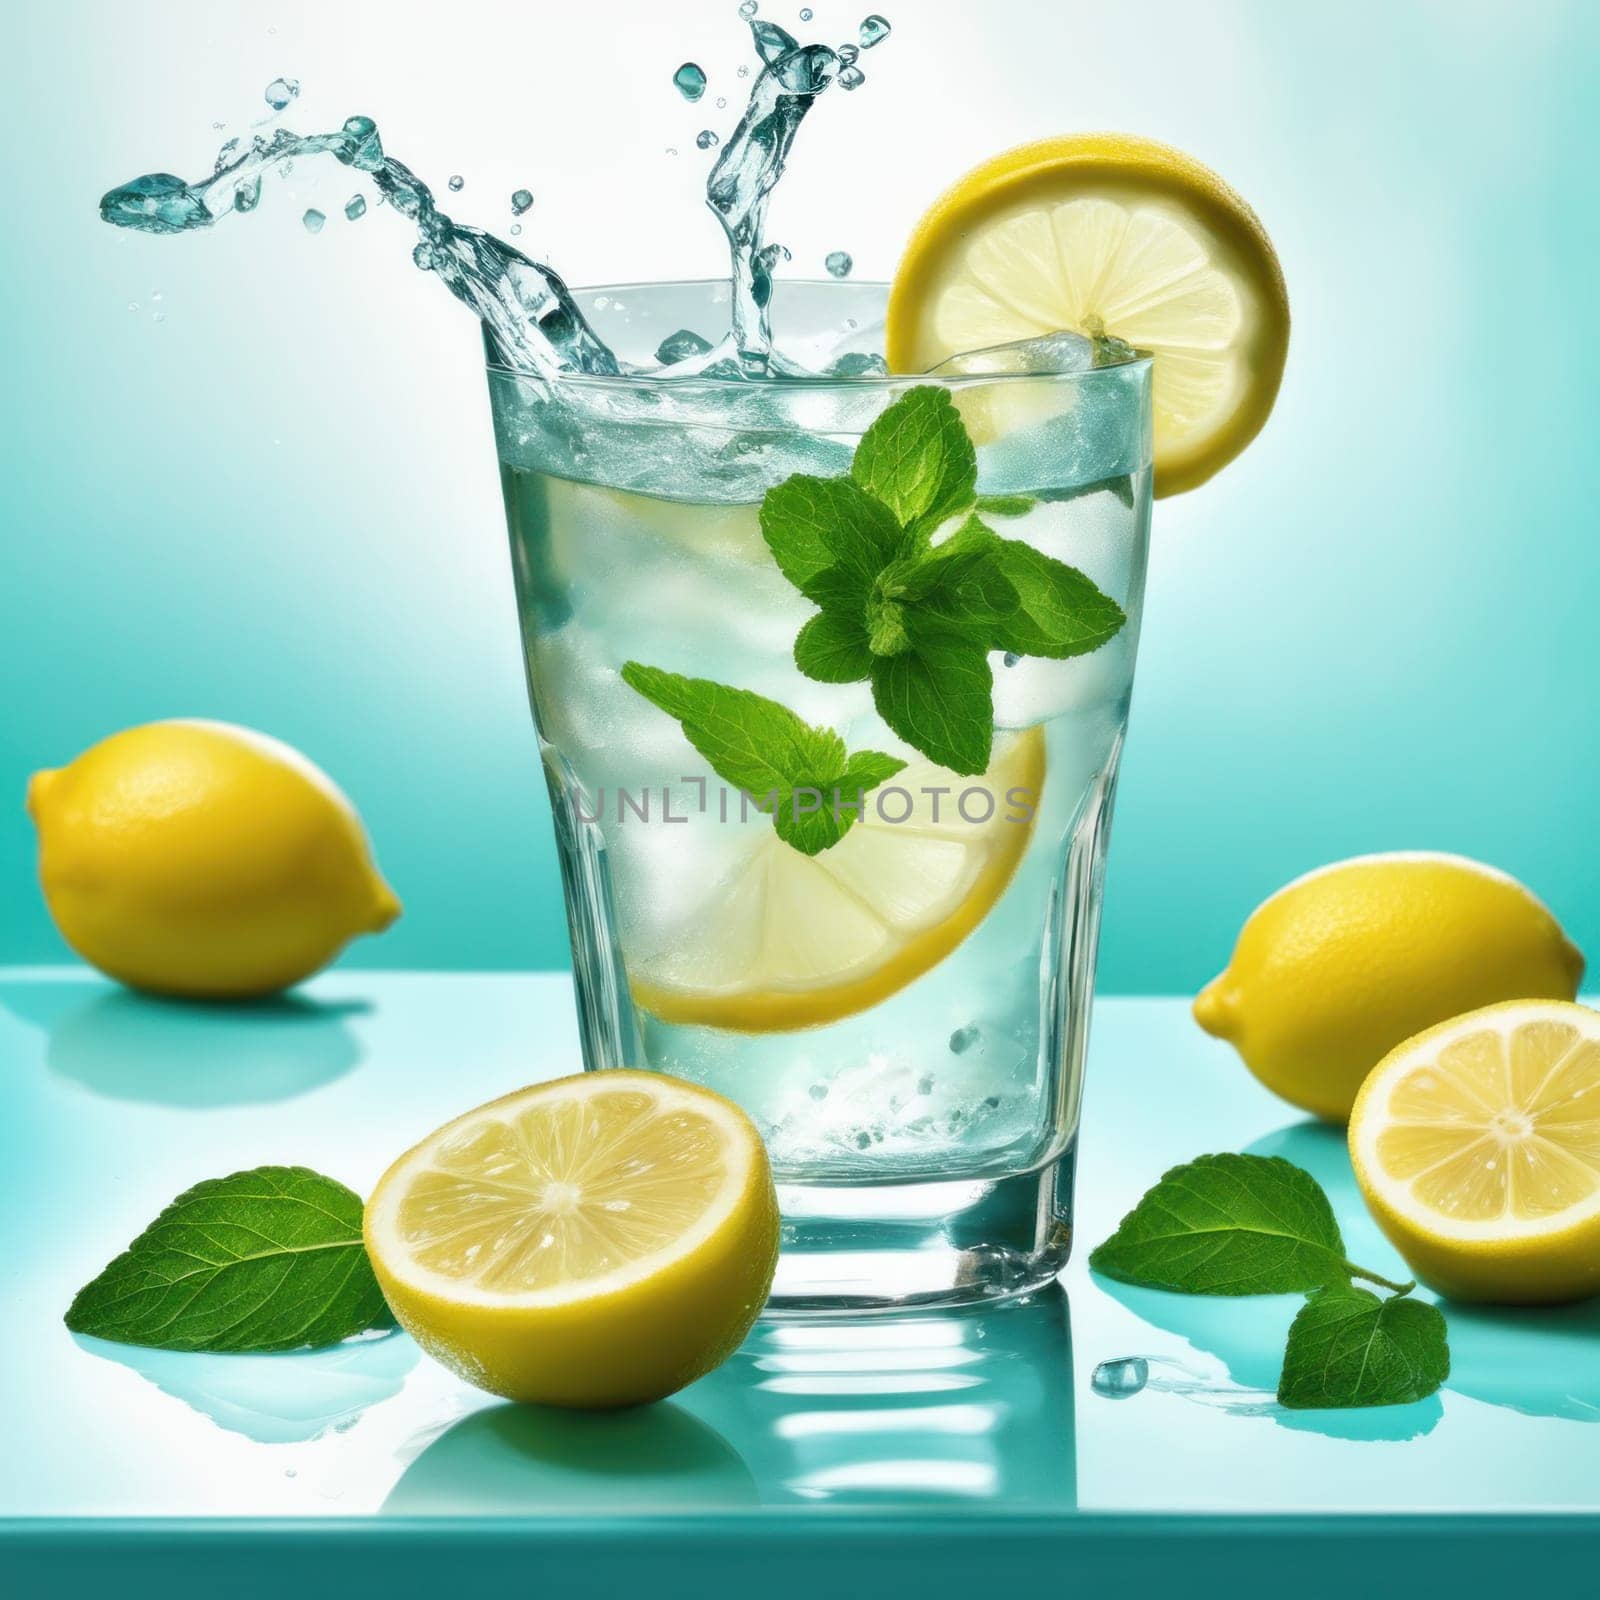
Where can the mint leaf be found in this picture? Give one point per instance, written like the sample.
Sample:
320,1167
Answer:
938,697
1060,612
917,459
789,767
265,1260
829,537
1004,505
1349,1348
832,648
1228,1224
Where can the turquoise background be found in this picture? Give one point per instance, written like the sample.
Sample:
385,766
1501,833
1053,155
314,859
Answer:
278,505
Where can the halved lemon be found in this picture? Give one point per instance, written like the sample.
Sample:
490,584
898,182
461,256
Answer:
785,940
597,1241
1477,1146
1107,234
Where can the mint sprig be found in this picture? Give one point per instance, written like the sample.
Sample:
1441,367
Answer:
1241,1224
799,774
270,1259
915,617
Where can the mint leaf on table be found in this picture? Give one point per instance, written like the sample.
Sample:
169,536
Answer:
1349,1348
918,460
801,775
1230,1224
270,1259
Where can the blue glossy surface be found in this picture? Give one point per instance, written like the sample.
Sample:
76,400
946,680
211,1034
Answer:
110,1104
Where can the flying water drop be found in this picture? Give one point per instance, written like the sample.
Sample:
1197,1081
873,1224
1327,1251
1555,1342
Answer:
748,9
1119,1379
706,139
355,208
281,91
874,30
852,78
313,221
690,80
456,183
520,201
839,263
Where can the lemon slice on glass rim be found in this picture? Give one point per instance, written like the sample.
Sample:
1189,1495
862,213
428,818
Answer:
1107,234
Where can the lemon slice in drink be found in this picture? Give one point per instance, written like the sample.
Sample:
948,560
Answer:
1107,234
597,1241
786,940
1477,1146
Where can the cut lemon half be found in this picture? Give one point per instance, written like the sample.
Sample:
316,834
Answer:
1477,1146
786,940
1107,234
598,1241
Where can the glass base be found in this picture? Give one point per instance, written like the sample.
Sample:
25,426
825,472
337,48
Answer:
893,1247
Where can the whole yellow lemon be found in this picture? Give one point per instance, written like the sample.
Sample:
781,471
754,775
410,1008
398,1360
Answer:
1339,967
201,859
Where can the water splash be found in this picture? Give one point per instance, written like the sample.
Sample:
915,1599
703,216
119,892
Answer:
531,320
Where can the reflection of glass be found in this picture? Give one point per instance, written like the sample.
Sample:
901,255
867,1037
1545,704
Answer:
904,1014
135,1047
531,1461
963,1408
274,1399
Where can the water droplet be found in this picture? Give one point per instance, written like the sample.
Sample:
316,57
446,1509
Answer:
457,183
423,257
847,54
1009,659
281,91
963,1039
291,1472
313,220
748,9
521,199
874,30
805,13
1118,1379
744,72
722,102
690,81
839,263
355,208
818,1091
705,139
514,229
852,78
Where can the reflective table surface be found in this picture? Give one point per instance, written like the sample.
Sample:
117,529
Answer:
982,1440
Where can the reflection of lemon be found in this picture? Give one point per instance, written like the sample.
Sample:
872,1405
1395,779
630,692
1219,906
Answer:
197,858
1340,966
1107,234
1477,1146
788,940
597,1241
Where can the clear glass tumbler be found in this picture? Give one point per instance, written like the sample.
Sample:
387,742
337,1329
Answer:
903,1014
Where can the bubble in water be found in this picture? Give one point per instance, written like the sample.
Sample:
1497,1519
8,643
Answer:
1118,1379
847,54
281,91
748,9
423,257
818,1091
680,346
839,263
706,139
313,220
690,81
1009,659
457,183
874,30
520,201
514,229
925,1083
133,305
852,78
156,294
355,208
963,1039
158,316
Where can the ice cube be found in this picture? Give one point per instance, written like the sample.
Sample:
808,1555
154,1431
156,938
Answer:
1063,351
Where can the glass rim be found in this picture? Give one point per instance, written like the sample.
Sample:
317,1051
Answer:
601,381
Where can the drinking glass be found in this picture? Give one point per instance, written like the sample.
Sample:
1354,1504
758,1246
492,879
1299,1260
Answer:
905,1014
